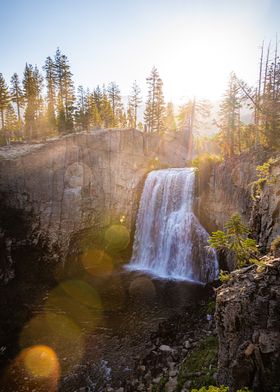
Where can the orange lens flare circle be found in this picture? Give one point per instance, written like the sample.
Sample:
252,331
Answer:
97,263
117,238
41,361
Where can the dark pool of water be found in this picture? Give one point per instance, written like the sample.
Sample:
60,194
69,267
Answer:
99,327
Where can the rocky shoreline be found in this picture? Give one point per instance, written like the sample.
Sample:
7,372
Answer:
184,338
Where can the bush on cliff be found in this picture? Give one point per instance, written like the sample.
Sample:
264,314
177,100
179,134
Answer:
218,389
236,239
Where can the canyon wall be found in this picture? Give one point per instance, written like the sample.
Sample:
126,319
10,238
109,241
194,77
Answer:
54,194
225,189
248,326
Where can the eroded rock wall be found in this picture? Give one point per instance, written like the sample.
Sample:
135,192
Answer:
225,189
248,327
80,182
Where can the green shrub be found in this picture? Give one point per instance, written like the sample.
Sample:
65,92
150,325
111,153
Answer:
218,389
264,177
235,239
224,276
211,388
206,159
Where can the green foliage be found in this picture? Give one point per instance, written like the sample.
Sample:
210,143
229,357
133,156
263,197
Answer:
224,276
235,239
264,177
155,108
206,159
222,388
210,307
211,388
202,361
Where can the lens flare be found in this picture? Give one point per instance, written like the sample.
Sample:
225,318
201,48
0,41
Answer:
117,238
97,262
41,361
142,287
58,332
36,368
79,301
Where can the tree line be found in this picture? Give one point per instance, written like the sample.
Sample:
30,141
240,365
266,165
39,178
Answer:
263,101
46,103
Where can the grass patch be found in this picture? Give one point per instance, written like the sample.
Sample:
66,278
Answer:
200,365
160,387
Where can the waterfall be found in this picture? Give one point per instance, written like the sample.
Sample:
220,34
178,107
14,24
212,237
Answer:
169,241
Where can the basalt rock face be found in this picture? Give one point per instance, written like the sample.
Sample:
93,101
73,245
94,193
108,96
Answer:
225,189
75,186
248,327
265,215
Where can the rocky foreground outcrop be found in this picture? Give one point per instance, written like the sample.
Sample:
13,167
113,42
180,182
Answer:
248,326
57,194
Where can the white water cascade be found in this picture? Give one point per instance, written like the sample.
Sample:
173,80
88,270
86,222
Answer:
169,241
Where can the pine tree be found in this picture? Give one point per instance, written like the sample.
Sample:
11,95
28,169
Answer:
4,99
94,118
270,104
106,111
11,119
32,87
130,117
170,122
160,106
81,114
97,96
115,101
17,94
135,100
154,112
50,75
66,96
230,117
11,123
121,118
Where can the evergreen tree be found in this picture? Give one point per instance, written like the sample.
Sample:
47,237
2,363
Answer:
121,118
97,96
134,102
66,96
4,99
11,119
81,114
17,94
115,101
94,118
50,75
130,117
32,87
170,122
270,104
106,111
154,112
230,117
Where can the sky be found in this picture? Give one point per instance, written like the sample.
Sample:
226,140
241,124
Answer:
194,44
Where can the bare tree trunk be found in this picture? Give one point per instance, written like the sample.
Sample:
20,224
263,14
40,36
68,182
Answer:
258,98
2,118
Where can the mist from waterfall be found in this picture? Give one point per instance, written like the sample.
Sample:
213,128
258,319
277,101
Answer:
169,241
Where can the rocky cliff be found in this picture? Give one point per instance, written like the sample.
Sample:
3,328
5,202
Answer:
56,194
225,189
248,326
